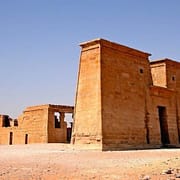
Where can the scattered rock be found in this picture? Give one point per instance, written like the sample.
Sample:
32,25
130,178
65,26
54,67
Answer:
171,178
178,175
167,171
145,177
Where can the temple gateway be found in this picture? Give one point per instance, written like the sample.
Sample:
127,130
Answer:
123,101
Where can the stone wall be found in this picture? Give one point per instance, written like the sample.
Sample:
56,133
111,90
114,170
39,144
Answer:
35,125
161,97
88,126
123,101
125,78
32,127
58,134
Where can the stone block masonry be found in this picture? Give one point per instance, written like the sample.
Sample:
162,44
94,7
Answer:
123,100
37,124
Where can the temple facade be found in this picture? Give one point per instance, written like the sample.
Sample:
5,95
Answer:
124,101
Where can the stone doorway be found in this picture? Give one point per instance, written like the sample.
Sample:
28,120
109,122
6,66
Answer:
11,138
163,125
26,138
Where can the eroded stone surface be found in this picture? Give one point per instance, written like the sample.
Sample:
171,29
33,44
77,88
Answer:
37,124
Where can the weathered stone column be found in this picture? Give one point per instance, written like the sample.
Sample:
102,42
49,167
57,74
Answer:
62,116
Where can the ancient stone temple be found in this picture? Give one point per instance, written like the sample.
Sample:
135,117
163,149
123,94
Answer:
37,124
123,100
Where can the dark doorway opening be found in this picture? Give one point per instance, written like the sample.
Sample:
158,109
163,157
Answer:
147,127
11,138
26,139
163,125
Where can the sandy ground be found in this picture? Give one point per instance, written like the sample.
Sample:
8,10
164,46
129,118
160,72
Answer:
61,161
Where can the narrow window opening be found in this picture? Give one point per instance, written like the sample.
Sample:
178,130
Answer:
6,121
173,78
57,120
141,71
15,122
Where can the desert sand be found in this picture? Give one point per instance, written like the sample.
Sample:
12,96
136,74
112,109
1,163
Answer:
62,161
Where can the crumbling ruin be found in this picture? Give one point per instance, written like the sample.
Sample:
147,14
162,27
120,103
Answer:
37,124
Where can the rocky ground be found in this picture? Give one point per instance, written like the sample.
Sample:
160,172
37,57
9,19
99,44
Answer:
61,161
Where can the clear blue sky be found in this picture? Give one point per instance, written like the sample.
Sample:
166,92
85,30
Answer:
39,52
